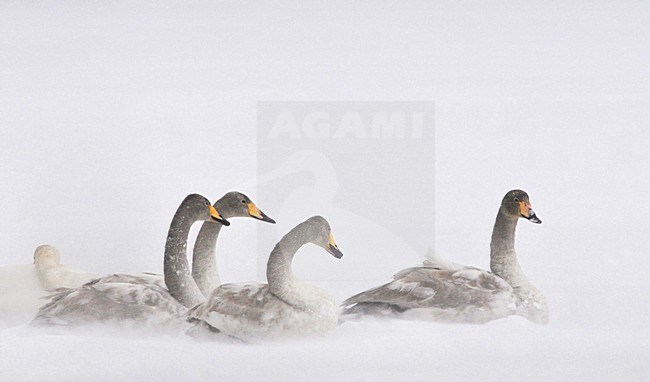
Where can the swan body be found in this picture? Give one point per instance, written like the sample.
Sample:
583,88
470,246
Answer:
139,301
285,307
251,311
23,287
443,291
468,295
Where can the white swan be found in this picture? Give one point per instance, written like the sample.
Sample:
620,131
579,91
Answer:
141,301
52,274
285,307
23,287
444,291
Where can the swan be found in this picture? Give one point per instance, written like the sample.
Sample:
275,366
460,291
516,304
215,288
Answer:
24,286
285,307
444,291
141,299
52,274
204,260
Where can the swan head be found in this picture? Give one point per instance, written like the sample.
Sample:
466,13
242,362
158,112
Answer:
197,207
516,203
320,233
47,253
236,204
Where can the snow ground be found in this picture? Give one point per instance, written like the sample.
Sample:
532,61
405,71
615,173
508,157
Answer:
506,350
110,113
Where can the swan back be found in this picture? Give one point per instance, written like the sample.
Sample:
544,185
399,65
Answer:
468,295
141,302
251,312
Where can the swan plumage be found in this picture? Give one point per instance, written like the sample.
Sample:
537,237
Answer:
443,291
142,301
468,295
285,307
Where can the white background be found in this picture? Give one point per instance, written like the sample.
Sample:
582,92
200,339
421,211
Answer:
110,113
345,161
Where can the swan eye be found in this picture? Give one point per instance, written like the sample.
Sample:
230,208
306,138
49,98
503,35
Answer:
207,203
243,201
516,200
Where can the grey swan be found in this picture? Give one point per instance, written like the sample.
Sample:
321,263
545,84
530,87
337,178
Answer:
143,300
455,293
283,308
204,260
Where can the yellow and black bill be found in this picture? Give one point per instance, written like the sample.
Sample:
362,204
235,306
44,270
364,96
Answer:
256,213
216,216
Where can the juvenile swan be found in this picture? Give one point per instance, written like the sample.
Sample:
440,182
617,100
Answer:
285,307
204,259
463,294
138,300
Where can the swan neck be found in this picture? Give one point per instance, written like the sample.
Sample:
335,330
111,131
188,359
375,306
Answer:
278,270
531,304
44,264
179,281
44,269
204,257
503,257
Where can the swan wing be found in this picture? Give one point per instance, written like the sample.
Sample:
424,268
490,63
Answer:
447,292
140,300
242,310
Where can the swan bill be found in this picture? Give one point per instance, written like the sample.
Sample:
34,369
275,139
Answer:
216,216
256,213
332,248
533,217
526,211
